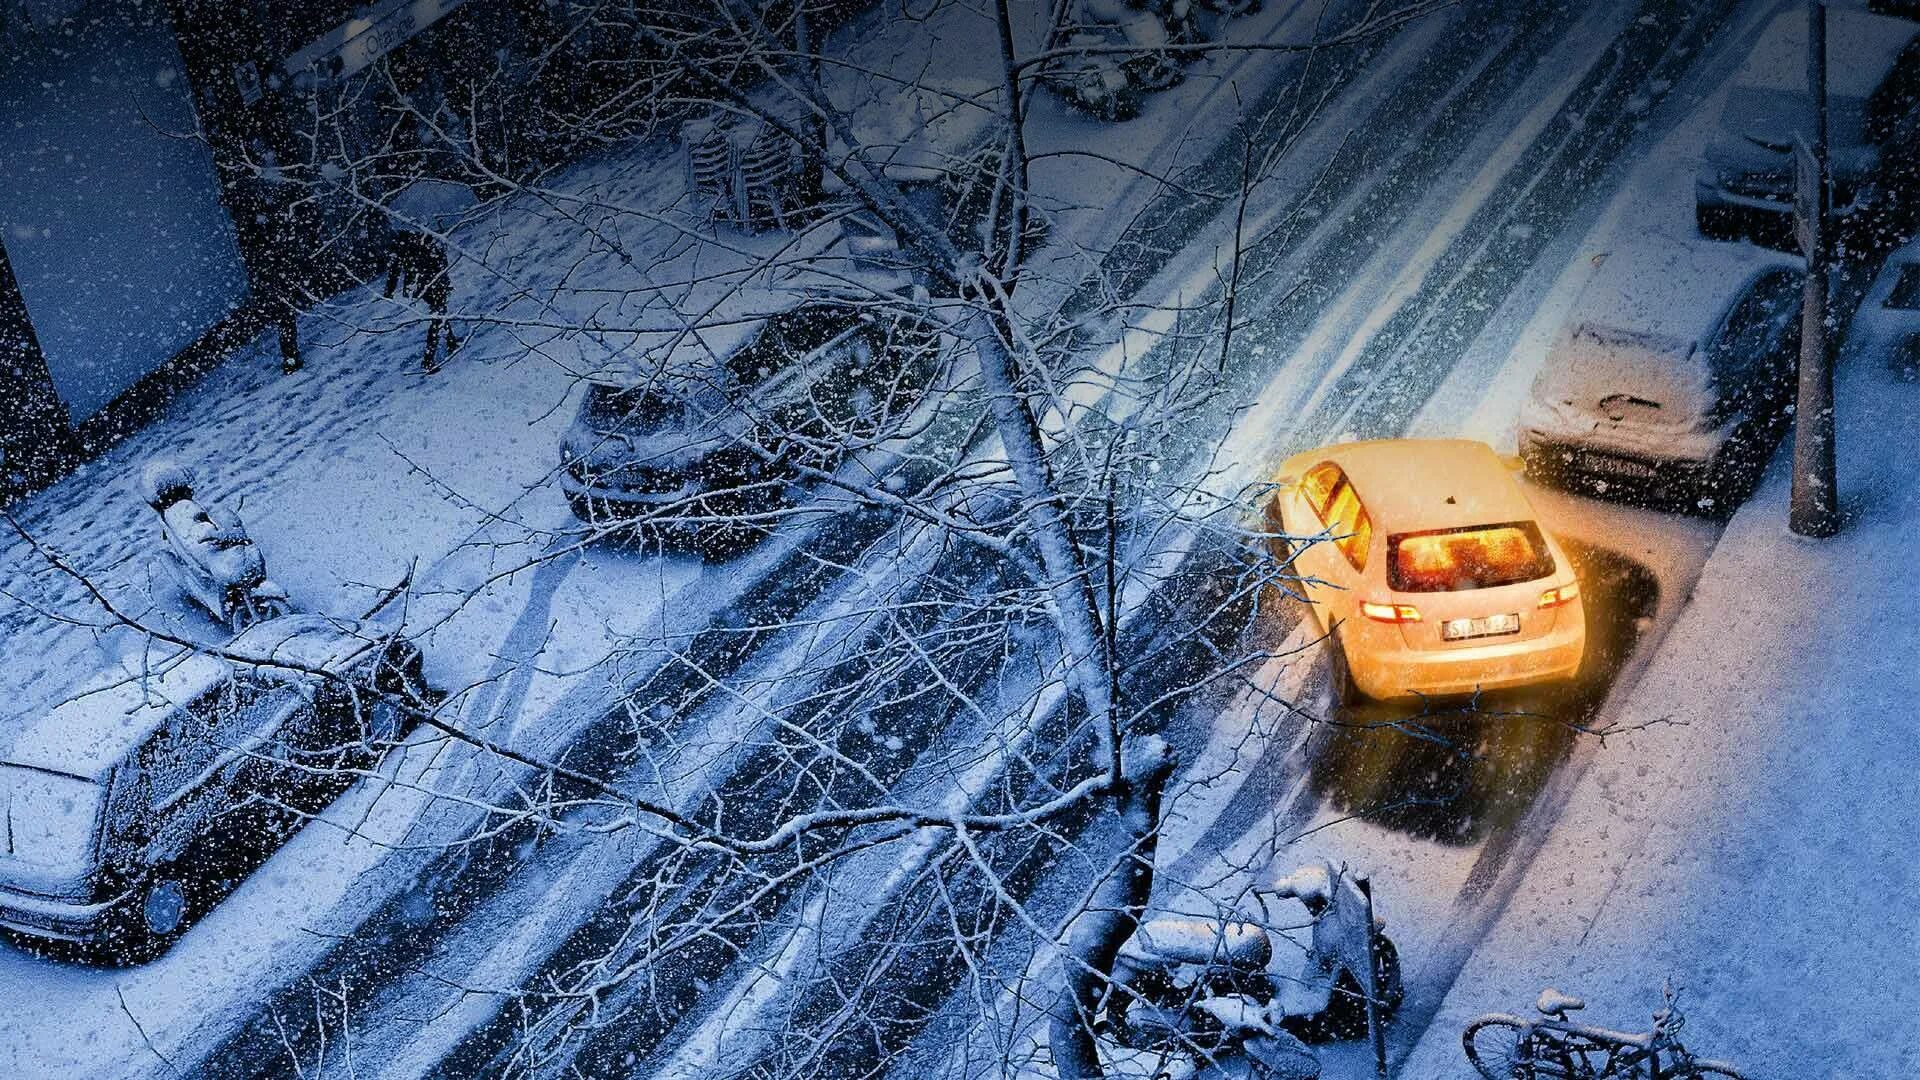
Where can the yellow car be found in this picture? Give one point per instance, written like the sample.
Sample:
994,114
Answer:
1431,573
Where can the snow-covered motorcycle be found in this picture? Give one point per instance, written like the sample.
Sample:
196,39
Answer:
1187,992
208,553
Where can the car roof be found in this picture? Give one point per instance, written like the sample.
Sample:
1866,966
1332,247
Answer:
1862,47
96,729
1417,484
1678,289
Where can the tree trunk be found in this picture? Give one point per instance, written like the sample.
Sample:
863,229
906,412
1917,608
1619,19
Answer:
1110,915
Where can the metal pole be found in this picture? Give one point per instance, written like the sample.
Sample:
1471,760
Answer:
1376,1031
1814,509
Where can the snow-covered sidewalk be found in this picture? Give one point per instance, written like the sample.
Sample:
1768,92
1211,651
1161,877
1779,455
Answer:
1752,840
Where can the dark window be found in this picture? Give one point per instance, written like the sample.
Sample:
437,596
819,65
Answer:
1906,289
1474,557
787,337
1759,327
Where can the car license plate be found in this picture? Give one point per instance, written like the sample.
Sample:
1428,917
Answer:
1489,626
1619,466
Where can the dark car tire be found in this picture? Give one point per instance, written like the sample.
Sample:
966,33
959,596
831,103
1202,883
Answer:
145,925
1346,691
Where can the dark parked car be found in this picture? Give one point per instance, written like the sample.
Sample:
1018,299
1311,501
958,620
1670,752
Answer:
124,808
709,448
1744,188
1670,380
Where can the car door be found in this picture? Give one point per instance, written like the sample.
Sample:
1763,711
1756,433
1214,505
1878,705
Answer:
1753,357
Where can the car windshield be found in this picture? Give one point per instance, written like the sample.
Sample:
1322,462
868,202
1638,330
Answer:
1475,557
614,408
51,818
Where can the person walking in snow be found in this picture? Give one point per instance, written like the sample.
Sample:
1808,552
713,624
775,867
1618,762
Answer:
417,260
417,266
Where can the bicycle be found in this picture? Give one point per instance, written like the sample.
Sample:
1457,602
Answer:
1507,1047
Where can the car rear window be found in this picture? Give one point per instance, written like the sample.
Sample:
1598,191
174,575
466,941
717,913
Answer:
1475,557
612,408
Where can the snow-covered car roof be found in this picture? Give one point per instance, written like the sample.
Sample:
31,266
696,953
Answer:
1861,48
1657,286
97,729
1419,484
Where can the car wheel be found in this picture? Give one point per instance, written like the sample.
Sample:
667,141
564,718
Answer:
147,922
1344,686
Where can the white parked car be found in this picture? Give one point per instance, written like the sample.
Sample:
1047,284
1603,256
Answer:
1886,328
121,808
1670,381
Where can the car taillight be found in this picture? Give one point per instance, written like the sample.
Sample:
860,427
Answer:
1389,613
1565,594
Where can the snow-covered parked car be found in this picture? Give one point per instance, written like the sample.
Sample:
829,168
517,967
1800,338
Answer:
778,358
1744,187
1670,380
1886,328
123,807
709,450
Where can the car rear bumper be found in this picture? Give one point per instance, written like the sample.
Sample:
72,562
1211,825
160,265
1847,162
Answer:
1551,458
1399,673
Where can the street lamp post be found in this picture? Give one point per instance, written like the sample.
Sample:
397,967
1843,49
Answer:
1814,510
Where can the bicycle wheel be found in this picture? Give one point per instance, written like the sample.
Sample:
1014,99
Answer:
1493,1046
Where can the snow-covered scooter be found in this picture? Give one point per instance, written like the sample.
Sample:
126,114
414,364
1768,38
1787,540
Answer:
1190,993
1114,50
209,554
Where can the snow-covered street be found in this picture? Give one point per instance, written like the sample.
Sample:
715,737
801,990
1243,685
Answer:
541,884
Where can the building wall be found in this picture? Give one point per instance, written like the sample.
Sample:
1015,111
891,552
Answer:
119,246
35,441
